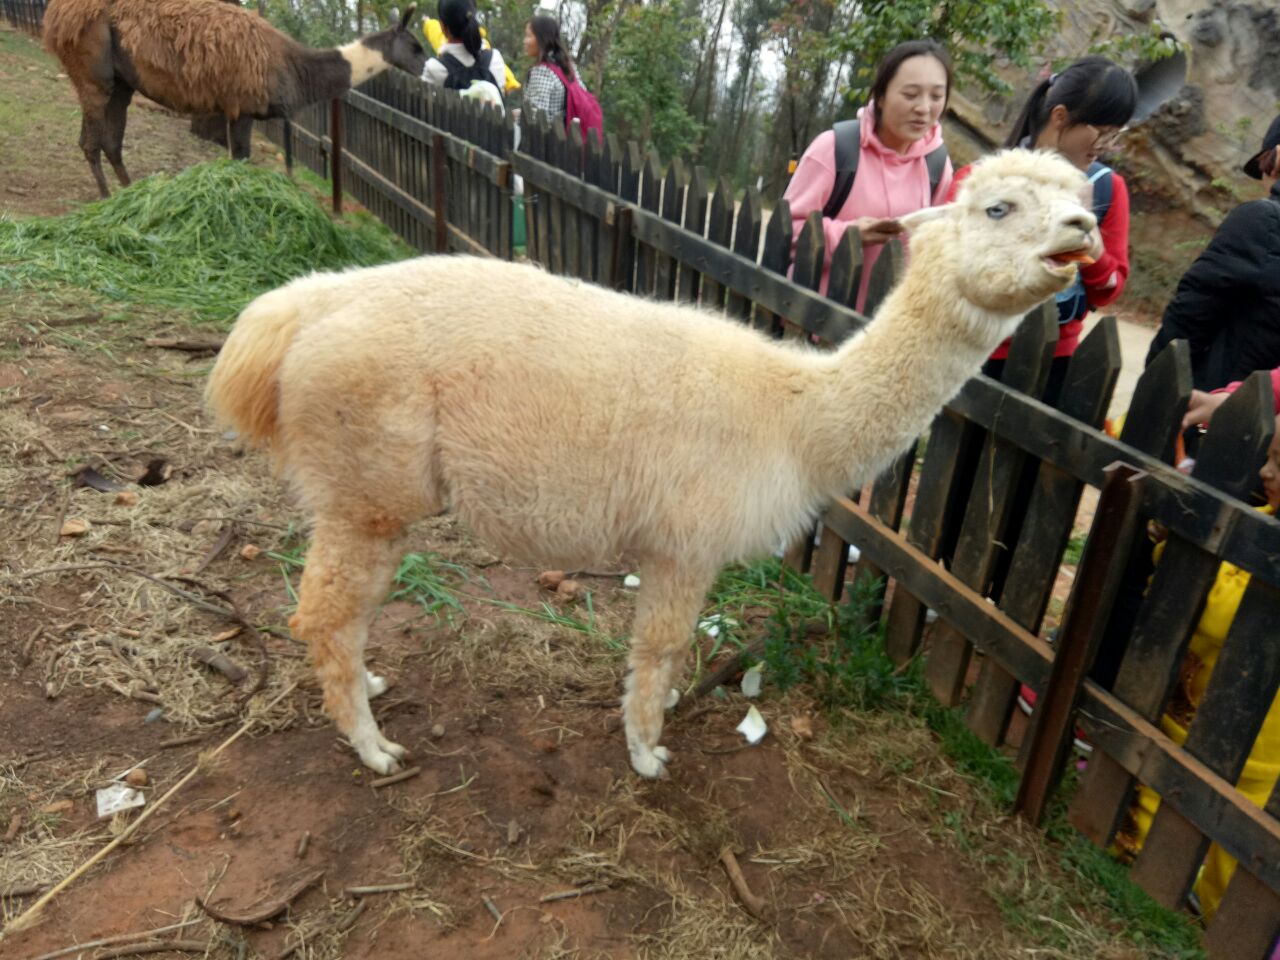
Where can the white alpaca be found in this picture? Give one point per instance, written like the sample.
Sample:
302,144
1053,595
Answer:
568,424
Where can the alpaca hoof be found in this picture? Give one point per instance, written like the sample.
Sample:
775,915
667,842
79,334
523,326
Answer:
672,699
380,754
374,685
651,764
392,748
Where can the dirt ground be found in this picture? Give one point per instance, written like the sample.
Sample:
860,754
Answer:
144,624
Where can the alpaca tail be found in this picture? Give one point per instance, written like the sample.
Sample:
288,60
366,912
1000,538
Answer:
244,387
67,21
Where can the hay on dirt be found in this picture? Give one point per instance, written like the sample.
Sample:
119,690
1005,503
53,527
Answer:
207,240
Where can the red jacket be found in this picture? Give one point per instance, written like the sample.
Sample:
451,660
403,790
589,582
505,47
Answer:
1104,280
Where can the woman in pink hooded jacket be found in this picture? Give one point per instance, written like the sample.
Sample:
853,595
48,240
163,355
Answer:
898,130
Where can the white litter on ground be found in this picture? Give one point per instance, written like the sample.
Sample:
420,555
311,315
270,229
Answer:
631,581
751,681
117,797
753,726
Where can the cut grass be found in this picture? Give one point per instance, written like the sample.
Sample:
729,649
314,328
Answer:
207,241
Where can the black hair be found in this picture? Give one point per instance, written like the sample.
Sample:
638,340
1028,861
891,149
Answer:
458,17
546,31
894,59
1093,90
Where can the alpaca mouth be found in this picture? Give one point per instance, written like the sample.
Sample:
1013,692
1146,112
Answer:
1064,262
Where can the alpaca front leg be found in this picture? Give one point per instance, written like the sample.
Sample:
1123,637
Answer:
666,612
346,576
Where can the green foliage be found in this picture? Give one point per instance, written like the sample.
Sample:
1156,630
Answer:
978,33
1145,47
207,240
317,23
645,77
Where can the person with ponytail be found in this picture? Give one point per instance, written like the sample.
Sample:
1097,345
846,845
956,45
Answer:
463,58
1080,113
543,89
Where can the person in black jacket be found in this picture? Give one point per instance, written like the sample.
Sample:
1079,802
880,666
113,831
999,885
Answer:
1227,306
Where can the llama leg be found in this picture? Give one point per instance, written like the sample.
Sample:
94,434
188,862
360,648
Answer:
238,141
113,133
91,144
347,574
666,611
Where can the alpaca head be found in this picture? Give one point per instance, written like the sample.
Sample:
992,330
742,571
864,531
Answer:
1012,238
397,46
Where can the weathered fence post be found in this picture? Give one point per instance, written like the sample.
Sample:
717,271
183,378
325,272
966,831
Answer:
335,151
1095,591
439,195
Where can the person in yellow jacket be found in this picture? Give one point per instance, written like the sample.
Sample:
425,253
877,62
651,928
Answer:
1262,769
434,32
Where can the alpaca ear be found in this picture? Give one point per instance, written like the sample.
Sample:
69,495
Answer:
407,16
912,221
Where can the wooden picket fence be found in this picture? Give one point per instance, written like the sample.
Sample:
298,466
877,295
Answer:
25,15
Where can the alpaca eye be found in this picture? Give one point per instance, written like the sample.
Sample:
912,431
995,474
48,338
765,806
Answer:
998,210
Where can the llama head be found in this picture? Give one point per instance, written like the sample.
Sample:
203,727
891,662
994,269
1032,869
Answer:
397,46
1012,238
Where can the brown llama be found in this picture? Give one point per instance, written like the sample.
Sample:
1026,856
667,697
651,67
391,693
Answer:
201,57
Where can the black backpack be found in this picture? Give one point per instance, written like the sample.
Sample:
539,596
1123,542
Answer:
849,146
460,76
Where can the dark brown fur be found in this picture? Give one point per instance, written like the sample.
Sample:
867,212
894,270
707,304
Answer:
193,56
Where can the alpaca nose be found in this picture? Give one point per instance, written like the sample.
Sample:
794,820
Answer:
1082,221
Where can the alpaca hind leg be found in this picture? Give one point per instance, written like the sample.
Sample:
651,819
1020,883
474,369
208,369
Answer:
113,133
666,611
348,571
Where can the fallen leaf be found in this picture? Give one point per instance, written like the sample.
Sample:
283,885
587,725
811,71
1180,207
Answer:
87,476
126,498
250,552
58,806
158,471
569,589
75,527
228,634
551,579
802,727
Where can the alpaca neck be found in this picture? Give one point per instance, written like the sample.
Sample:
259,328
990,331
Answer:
883,388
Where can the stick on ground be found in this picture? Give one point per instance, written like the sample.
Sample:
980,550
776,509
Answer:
758,907
266,910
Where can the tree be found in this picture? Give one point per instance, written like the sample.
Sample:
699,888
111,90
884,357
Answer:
647,77
976,32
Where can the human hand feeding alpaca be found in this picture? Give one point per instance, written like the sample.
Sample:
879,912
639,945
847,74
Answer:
545,422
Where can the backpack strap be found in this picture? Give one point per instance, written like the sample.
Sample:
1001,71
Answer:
936,163
1101,177
848,135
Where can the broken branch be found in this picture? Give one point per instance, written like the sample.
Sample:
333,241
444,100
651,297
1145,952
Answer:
758,907
265,910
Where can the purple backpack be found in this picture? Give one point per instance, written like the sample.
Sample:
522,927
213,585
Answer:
579,104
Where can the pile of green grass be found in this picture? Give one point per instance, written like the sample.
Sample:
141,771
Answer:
207,240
